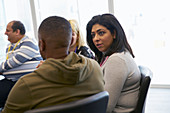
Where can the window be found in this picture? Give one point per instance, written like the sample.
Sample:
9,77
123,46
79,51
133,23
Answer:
80,10
3,41
32,12
13,10
146,24
19,10
64,8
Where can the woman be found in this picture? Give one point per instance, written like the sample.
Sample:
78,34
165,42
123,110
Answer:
106,37
78,44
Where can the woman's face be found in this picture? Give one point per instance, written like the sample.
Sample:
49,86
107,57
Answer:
74,38
102,37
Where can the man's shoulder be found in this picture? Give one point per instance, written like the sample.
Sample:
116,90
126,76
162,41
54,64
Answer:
29,76
28,39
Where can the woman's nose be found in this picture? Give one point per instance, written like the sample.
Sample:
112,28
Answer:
96,38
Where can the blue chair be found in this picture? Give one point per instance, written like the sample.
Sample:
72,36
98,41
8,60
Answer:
94,104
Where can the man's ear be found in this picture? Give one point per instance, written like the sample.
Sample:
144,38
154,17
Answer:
17,32
41,45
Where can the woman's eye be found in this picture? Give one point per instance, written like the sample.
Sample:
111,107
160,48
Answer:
92,35
73,33
101,33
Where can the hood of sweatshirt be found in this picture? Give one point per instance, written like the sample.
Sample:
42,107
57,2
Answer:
73,69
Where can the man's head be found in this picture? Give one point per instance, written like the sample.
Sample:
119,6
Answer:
15,31
54,36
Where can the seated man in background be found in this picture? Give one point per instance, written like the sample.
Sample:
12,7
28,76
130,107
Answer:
22,57
63,77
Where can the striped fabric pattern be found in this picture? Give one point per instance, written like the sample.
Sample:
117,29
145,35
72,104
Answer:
22,60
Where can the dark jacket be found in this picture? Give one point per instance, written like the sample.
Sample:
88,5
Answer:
83,50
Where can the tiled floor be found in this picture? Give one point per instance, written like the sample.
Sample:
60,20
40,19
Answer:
158,100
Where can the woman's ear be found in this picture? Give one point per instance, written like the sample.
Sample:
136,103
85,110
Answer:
114,34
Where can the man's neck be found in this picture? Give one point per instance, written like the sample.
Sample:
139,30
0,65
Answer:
19,38
59,53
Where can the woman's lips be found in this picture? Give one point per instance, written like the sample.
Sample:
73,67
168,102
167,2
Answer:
98,45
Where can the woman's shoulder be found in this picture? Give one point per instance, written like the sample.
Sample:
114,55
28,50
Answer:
122,55
119,58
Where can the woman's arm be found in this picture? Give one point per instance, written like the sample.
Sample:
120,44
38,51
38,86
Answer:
115,74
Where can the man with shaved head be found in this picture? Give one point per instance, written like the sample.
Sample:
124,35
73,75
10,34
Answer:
63,77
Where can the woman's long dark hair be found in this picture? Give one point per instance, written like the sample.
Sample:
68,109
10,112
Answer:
119,44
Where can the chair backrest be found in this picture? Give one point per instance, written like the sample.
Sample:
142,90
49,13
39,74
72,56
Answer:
94,104
146,75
